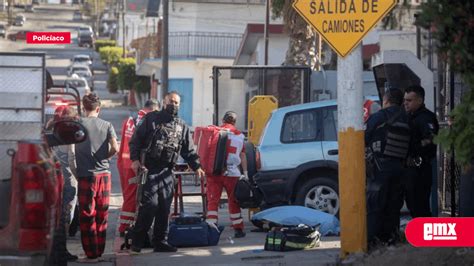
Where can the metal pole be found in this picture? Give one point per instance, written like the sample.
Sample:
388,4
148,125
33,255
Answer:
265,30
9,11
123,27
164,50
266,39
351,153
97,17
418,38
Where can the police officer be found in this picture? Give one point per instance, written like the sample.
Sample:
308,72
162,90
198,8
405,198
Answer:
423,151
387,140
162,136
128,181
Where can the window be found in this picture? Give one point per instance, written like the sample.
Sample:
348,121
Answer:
329,115
300,127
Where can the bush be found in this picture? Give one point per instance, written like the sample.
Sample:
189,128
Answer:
103,43
112,82
142,84
127,76
110,55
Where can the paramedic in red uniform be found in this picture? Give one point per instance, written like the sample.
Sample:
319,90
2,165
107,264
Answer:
128,181
235,158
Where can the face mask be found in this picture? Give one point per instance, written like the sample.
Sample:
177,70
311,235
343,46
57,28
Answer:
172,109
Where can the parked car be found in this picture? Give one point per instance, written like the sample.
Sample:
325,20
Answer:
19,20
20,35
82,71
81,59
29,8
79,83
297,156
3,31
85,28
77,16
85,39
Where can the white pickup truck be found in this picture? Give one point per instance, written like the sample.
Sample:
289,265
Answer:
30,178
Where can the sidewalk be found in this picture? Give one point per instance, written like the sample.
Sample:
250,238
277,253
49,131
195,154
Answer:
230,251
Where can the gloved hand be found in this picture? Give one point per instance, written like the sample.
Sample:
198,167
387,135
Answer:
213,225
245,176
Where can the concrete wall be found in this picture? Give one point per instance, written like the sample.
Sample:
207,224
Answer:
200,71
277,46
230,18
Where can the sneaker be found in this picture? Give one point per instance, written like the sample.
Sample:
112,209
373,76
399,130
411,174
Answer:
239,233
164,246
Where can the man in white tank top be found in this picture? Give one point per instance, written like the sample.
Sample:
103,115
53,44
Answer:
215,184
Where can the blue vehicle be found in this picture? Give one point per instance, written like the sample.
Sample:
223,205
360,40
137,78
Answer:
297,157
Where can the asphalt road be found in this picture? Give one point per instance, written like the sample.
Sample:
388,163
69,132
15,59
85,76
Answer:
59,18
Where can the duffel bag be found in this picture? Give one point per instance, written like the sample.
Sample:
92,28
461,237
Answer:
292,238
184,233
247,195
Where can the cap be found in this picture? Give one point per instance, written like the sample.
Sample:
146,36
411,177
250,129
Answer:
150,103
230,117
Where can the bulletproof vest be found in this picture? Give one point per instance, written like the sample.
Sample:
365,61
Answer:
165,143
392,138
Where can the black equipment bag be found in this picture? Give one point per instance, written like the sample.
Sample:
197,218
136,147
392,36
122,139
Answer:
292,238
248,195
220,162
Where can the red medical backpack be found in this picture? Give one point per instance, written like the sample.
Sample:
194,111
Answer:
211,144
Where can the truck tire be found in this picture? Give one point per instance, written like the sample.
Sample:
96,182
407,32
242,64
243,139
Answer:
251,159
320,193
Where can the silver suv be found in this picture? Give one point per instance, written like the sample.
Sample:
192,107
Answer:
297,161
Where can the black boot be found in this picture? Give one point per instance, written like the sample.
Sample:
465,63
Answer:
71,257
239,233
164,246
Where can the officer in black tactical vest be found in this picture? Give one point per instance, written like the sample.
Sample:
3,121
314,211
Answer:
422,152
387,139
162,137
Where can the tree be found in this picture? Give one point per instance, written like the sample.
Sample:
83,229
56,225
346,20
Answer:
126,77
452,25
112,82
301,48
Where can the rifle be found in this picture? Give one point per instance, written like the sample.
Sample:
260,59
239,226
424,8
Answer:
141,179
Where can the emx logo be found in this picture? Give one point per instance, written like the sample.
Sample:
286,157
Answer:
441,232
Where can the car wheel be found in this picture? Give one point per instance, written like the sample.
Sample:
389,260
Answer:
319,193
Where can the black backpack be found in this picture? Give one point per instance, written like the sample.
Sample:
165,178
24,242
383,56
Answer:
247,195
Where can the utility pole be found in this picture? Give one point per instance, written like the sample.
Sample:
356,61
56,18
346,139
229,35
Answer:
265,30
164,50
96,3
9,11
350,100
265,52
123,27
